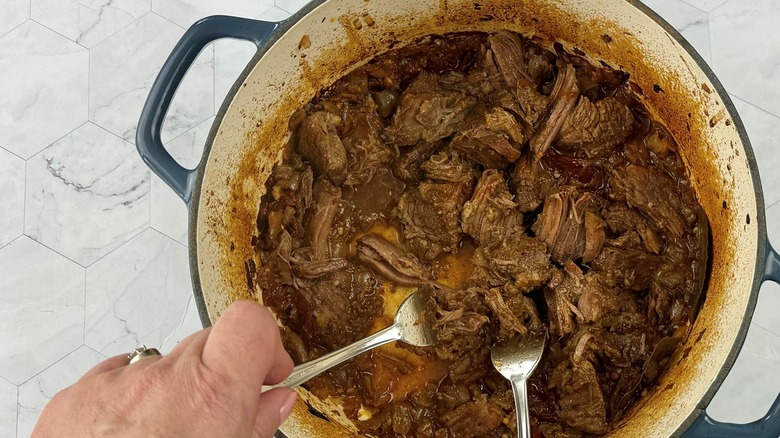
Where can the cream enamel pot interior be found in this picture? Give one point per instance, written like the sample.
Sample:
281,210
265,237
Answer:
670,77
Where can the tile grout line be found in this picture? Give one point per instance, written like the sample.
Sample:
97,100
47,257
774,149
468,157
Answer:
719,6
135,20
18,406
84,315
12,153
16,27
693,6
96,352
753,105
58,33
765,328
51,365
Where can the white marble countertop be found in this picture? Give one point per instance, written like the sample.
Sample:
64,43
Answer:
93,258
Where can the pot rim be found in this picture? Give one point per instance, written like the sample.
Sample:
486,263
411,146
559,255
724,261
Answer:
719,89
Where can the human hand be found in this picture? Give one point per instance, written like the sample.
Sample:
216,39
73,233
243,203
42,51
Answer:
208,386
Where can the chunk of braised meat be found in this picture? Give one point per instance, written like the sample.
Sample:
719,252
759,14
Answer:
317,268
516,259
360,133
510,325
491,214
627,268
564,96
495,140
391,262
531,182
680,279
333,309
408,166
448,166
430,216
291,194
522,306
561,295
373,201
319,142
620,218
474,83
506,58
597,300
458,332
597,127
327,199
539,62
653,193
580,399
568,226
469,299
473,419
427,113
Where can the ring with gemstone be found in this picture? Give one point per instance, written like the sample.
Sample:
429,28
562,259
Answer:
141,352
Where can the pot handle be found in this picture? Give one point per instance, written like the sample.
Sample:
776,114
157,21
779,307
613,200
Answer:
769,425
147,138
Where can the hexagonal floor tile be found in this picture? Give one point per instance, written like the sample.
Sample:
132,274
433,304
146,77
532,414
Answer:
705,5
11,197
691,22
746,51
123,68
291,6
43,81
763,130
752,384
8,408
88,22
169,213
42,316
87,194
138,294
36,392
186,12
190,323
15,12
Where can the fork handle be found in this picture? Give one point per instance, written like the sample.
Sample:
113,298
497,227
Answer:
305,371
520,389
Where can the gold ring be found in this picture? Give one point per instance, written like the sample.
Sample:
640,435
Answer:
141,352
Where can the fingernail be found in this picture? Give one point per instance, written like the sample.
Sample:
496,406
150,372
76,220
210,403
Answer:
287,407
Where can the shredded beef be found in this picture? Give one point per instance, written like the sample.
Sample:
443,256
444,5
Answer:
526,190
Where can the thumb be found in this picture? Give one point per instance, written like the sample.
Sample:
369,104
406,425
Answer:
274,407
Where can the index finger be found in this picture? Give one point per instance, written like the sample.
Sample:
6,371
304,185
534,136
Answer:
245,345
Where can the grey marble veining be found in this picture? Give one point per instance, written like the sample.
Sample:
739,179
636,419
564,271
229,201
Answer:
87,194
8,404
36,392
138,294
123,68
42,316
88,22
43,81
